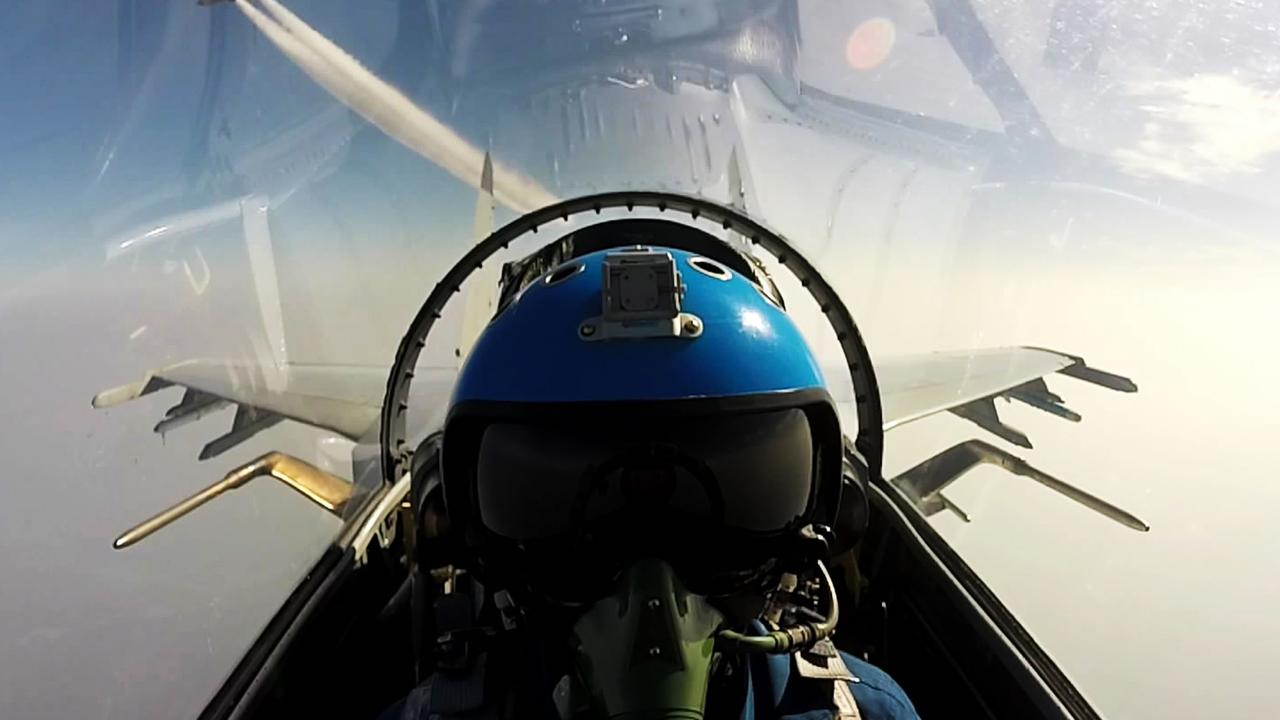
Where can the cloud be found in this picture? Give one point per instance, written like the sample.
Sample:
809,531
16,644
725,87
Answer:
1203,128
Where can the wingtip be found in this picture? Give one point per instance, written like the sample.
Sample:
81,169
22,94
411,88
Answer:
1136,524
129,391
1081,371
116,395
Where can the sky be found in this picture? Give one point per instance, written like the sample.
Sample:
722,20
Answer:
111,134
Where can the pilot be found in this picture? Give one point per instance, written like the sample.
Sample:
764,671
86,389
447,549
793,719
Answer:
641,467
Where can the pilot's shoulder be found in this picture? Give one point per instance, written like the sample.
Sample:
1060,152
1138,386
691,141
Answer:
416,706
879,696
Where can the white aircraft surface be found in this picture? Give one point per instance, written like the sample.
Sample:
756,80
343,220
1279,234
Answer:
986,233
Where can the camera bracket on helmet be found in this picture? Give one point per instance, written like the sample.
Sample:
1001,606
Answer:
641,299
640,285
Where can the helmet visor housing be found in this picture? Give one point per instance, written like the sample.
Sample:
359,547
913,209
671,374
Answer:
568,501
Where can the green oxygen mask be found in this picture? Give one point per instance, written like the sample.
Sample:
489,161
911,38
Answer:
643,653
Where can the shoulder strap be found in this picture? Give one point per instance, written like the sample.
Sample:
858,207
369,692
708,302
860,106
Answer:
463,692
461,685
823,663
846,705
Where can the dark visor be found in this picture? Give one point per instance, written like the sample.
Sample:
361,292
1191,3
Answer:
749,472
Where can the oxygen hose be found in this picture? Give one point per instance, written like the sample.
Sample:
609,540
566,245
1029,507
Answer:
796,637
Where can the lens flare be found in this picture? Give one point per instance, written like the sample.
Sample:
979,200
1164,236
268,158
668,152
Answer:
870,43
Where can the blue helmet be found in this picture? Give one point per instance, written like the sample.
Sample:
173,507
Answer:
713,334
640,401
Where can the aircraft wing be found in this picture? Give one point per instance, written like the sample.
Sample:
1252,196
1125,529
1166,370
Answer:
967,383
345,399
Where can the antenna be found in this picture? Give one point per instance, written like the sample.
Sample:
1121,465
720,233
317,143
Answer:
737,200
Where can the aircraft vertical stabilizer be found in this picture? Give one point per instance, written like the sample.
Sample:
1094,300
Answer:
478,302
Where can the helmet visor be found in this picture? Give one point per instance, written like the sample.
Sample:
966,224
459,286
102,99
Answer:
749,472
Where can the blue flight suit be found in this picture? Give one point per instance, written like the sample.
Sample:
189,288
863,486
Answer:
773,692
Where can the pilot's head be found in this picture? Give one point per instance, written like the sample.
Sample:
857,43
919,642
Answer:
639,440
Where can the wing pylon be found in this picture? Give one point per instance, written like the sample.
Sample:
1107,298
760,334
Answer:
967,385
924,483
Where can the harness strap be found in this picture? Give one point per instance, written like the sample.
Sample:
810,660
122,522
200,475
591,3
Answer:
846,705
822,662
462,691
